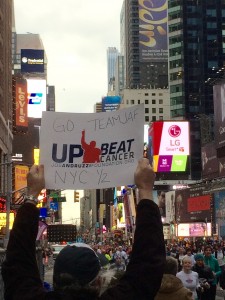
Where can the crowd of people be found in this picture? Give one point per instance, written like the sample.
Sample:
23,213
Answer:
200,266
150,269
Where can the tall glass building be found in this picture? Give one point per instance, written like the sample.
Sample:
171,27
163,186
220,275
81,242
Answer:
196,61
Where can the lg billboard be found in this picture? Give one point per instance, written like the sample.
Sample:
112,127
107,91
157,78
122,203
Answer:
36,94
169,146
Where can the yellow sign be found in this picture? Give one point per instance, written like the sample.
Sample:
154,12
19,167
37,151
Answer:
3,220
36,156
20,178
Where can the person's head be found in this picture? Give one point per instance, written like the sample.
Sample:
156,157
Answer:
77,268
199,258
208,250
189,252
171,266
186,263
93,144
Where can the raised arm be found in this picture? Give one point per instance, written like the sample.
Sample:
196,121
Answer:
144,272
20,271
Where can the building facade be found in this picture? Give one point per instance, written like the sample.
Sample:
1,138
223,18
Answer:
6,24
196,60
145,45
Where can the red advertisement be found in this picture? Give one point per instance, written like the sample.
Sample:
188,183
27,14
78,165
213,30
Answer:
198,203
21,103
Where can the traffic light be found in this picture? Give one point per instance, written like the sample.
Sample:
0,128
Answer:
76,196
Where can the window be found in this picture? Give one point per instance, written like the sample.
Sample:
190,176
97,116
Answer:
160,101
146,118
139,101
132,102
146,110
127,101
153,118
161,110
153,101
161,118
146,94
153,94
153,110
146,101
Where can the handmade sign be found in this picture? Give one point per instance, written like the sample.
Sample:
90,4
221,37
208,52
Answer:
91,150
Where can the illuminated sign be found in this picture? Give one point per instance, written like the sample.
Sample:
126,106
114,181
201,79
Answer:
21,103
3,220
110,103
32,61
169,146
194,229
20,179
36,94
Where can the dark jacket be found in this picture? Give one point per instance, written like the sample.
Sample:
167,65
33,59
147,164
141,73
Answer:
204,272
142,278
172,289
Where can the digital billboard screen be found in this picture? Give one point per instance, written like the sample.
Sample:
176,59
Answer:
110,103
194,229
219,114
32,61
36,94
169,146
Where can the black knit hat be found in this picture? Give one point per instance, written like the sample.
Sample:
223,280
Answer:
80,261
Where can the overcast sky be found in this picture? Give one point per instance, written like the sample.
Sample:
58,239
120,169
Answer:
76,35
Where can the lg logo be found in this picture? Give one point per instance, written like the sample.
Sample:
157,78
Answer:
174,131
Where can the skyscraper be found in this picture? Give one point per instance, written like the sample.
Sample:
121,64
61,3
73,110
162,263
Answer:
196,60
144,25
112,54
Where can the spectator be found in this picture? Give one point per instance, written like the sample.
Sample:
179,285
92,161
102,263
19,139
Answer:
205,275
188,277
212,262
172,287
76,269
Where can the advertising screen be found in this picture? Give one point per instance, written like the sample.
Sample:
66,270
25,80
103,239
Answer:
169,144
194,229
210,164
20,179
153,30
219,114
3,219
21,103
110,103
36,94
32,61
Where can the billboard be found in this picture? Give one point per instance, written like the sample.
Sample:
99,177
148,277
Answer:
169,146
210,166
153,44
36,94
219,211
192,206
21,103
32,61
194,229
219,114
20,179
3,219
170,206
110,103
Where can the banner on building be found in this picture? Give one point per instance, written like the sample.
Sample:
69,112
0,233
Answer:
20,180
32,61
210,164
21,103
85,151
219,114
153,44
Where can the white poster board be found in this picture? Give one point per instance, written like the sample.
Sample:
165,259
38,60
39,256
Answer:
93,150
